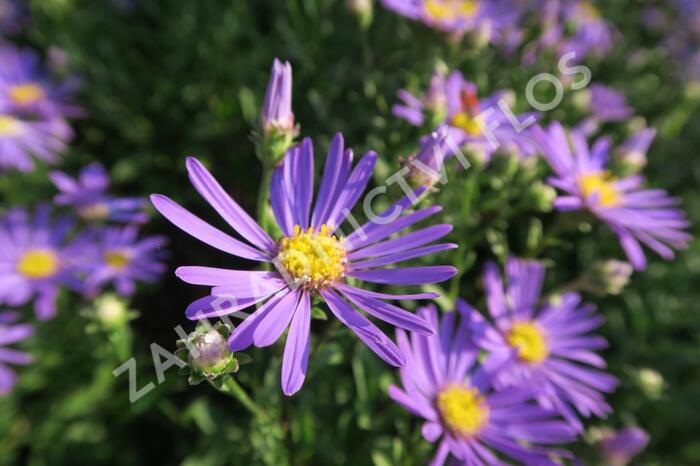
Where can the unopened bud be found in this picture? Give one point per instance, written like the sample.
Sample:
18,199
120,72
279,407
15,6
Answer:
277,118
363,10
631,156
608,277
207,354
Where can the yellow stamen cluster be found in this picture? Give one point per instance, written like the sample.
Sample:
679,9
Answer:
530,341
451,9
602,185
117,259
9,126
465,122
26,94
38,263
313,259
463,410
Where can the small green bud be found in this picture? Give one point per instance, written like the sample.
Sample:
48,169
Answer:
207,354
363,9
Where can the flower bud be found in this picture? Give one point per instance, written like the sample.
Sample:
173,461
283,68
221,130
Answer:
618,448
608,277
277,108
631,156
363,10
111,311
207,354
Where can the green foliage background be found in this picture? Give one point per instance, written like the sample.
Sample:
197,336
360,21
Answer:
173,78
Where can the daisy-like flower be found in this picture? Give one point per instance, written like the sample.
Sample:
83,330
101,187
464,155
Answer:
620,447
21,139
123,259
309,259
88,195
593,34
482,125
485,18
36,259
547,347
11,333
26,87
636,215
475,423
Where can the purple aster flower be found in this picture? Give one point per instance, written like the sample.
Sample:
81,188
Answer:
547,347
309,259
443,383
11,333
28,88
21,139
485,18
37,259
604,105
620,447
277,112
593,34
484,126
88,195
13,16
636,215
123,258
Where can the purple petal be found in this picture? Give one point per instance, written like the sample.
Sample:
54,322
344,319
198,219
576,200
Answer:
407,276
296,350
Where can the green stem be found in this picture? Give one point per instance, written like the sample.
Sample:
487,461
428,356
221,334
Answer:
232,387
264,196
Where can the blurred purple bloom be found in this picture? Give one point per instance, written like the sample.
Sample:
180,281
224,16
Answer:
593,34
27,88
620,447
434,101
483,125
604,105
123,258
473,421
21,139
485,18
11,333
277,108
547,347
37,259
88,195
13,16
309,259
636,215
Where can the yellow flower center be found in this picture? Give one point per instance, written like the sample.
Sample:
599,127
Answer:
116,259
530,341
465,122
600,184
463,410
9,126
26,94
97,211
451,9
39,263
313,259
